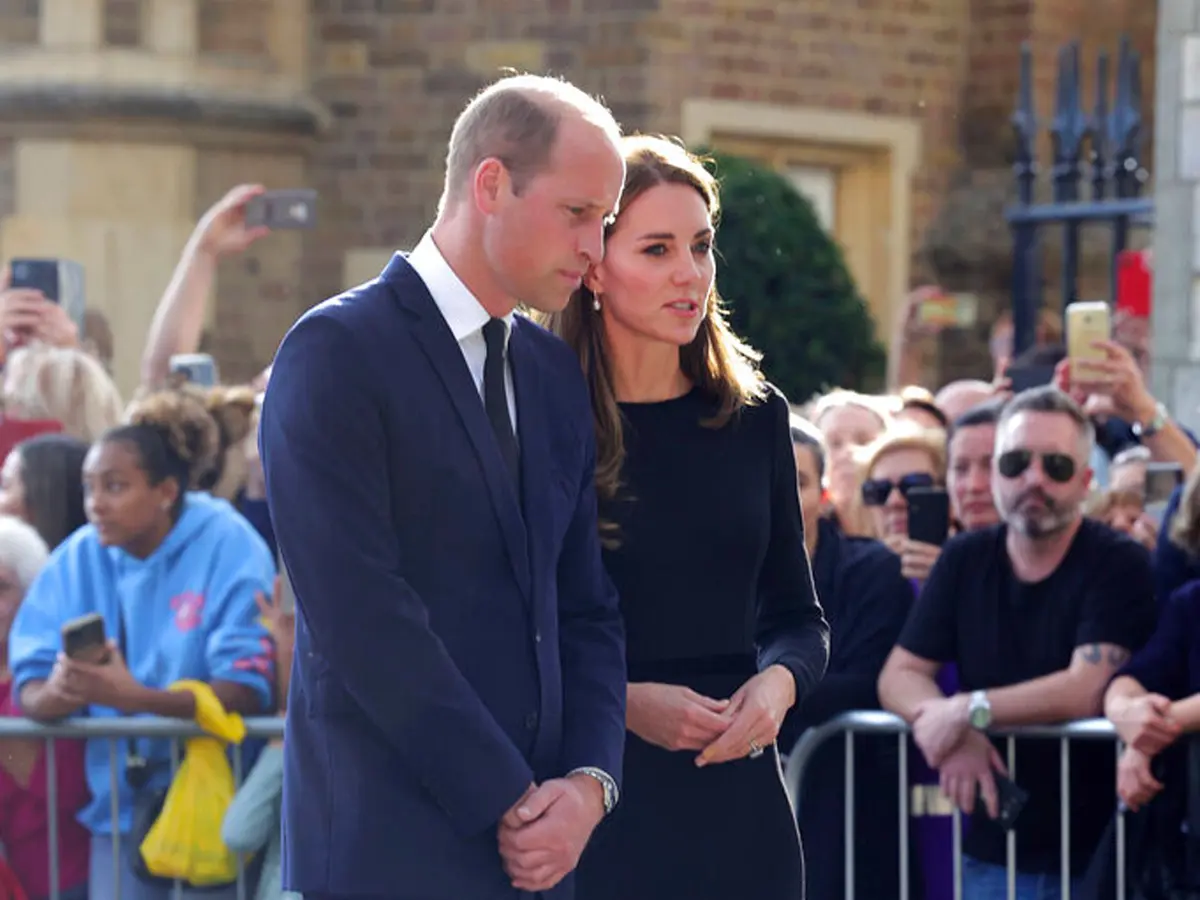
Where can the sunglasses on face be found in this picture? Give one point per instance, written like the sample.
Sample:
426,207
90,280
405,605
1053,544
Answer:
1058,466
875,491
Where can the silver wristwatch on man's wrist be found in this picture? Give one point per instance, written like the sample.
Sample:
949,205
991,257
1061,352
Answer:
611,794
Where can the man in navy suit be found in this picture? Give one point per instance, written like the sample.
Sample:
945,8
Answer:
457,710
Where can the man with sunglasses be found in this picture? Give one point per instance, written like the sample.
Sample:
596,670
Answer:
1037,613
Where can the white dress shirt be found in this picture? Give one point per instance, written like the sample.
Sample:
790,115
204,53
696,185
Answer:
464,314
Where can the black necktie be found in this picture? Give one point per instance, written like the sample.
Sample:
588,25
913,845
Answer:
495,397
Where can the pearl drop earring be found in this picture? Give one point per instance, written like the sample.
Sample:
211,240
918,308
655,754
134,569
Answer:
596,304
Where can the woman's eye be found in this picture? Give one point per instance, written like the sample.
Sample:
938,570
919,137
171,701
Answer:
656,250
704,247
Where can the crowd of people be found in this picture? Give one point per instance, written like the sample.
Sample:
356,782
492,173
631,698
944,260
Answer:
152,514
715,570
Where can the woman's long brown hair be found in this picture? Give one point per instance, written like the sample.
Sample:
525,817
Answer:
717,361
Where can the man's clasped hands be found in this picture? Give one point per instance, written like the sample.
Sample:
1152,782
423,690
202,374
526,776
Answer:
544,834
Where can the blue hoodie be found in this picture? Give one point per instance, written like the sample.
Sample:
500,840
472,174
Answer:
189,613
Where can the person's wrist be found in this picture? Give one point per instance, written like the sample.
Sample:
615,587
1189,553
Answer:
593,792
1144,409
782,677
961,706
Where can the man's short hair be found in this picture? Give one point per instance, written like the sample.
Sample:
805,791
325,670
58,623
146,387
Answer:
806,434
1049,399
515,120
986,413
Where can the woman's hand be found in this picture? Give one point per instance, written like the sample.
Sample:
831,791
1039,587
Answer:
108,684
917,559
757,711
674,717
223,229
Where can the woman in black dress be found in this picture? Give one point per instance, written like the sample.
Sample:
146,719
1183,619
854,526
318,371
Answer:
706,546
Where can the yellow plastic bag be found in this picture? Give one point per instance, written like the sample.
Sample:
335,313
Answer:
185,841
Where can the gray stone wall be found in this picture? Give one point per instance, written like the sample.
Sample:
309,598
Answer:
1176,322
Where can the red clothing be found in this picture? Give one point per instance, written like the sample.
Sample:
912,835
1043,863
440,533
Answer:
24,823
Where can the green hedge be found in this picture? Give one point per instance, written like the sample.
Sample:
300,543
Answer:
787,286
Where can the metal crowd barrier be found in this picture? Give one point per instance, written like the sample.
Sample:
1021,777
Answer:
116,731
881,723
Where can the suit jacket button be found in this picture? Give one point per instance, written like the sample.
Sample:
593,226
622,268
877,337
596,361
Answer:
531,721
537,637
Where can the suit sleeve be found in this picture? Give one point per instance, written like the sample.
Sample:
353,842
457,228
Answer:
326,459
591,638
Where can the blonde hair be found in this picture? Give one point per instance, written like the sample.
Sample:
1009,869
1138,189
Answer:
717,362
839,398
65,384
906,436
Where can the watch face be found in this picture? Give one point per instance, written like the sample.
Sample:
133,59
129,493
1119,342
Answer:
980,717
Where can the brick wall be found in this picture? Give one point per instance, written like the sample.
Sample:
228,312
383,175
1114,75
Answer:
395,73
19,21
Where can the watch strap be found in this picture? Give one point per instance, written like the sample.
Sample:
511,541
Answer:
607,782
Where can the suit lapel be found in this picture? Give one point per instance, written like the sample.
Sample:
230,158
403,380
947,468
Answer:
536,471
437,342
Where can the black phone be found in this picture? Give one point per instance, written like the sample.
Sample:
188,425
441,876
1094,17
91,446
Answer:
1012,799
60,281
294,208
1161,481
1025,377
928,515
85,640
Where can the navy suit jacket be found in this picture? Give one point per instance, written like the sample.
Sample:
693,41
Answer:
454,641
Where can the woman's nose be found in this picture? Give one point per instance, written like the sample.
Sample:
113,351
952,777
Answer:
895,499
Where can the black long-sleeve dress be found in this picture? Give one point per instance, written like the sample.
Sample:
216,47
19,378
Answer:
715,586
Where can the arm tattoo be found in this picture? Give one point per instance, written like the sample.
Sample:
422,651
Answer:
1092,654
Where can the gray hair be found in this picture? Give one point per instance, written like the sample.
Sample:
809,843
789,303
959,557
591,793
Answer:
1049,399
22,550
515,120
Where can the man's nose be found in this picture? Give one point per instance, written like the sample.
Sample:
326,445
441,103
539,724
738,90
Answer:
591,243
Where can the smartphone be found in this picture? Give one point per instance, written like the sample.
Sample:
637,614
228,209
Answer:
59,280
84,639
1087,322
1029,376
294,208
1161,481
950,310
928,515
1012,799
199,369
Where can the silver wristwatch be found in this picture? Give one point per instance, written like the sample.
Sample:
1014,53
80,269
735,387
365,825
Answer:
611,794
979,711
1154,426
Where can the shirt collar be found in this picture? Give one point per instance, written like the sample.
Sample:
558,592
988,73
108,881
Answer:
462,311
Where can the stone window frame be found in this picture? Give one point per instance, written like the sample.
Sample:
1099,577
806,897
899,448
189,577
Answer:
874,157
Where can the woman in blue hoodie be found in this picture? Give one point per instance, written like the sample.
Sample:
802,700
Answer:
174,574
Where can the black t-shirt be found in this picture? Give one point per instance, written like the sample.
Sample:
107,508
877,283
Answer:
998,631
